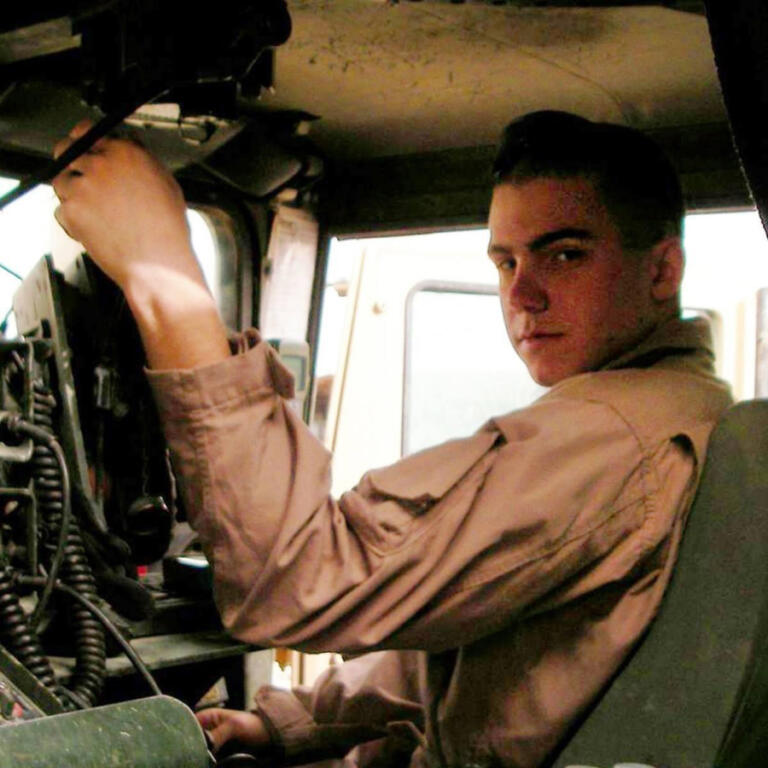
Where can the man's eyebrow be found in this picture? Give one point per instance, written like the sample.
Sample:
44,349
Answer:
542,241
496,248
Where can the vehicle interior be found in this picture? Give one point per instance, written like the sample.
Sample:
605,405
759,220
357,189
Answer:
312,139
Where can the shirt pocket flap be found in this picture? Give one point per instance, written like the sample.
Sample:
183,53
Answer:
430,474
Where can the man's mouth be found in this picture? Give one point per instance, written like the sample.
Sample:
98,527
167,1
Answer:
539,335
538,339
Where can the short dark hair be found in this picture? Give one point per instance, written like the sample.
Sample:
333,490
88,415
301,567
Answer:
636,180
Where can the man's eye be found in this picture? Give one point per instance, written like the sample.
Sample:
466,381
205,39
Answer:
568,255
506,265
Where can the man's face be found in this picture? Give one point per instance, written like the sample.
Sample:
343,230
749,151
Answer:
573,298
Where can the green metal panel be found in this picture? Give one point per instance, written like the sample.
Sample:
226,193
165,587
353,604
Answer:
158,732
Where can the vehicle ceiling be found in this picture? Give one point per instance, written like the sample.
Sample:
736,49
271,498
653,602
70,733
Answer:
388,78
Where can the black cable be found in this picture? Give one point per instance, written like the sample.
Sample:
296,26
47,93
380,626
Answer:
91,660
135,659
17,635
64,529
90,669
78,701
80,146
15,424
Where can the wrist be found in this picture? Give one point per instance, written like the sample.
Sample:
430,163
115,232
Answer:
165,293
177,318
268,735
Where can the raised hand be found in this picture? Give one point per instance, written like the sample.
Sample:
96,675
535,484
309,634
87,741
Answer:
129,213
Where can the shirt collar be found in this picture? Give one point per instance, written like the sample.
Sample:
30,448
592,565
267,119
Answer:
691,338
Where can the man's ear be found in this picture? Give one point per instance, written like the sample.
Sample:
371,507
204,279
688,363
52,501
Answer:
667,263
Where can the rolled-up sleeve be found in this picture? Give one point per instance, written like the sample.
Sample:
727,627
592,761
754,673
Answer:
372,699
444,547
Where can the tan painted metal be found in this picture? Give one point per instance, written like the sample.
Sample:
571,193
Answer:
395,78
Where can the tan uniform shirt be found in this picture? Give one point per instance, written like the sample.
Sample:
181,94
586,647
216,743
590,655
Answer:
524,561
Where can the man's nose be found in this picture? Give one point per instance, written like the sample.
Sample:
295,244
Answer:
526,291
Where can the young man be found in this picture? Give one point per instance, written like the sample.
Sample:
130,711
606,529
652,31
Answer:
503,577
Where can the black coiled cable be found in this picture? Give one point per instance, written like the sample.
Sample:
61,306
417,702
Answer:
134,657
68,556
52,488
20,639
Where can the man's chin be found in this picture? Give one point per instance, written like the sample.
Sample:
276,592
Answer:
549,375
549,360
548,381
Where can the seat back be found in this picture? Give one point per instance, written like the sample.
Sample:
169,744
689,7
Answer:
695,693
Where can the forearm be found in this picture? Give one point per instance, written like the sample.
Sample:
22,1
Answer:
177,318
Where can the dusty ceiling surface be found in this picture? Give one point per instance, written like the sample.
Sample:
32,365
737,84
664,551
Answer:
388,79
384,78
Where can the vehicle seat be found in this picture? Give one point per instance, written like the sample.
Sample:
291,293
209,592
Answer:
695,694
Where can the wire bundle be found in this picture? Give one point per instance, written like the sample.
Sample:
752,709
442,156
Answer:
52,487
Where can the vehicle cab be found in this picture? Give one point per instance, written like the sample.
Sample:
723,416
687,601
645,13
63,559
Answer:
335,158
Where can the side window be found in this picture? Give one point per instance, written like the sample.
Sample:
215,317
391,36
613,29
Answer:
726,266
28,231
413,351
458,371
214,244
384,313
